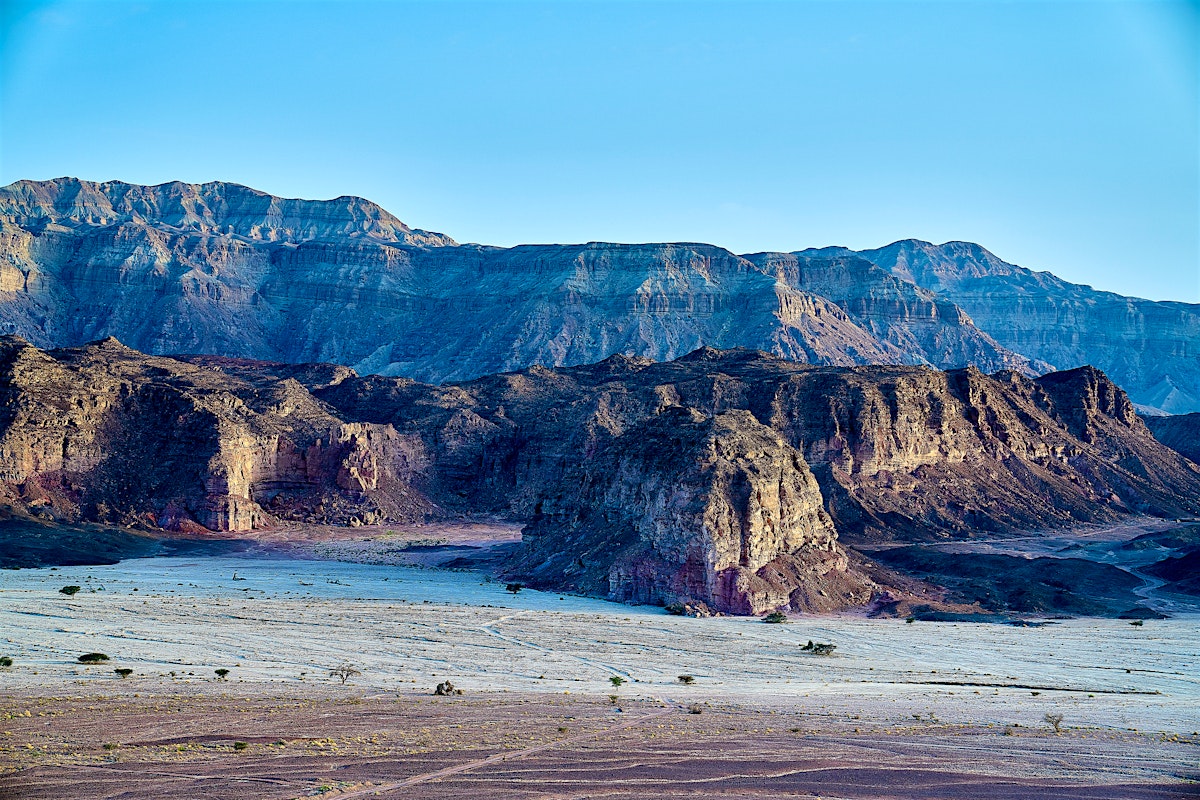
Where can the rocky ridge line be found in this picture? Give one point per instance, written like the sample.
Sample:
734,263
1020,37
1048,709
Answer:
732,478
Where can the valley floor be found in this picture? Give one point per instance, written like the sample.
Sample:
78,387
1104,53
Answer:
342,744
898,710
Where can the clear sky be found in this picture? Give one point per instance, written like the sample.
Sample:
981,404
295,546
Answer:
1060,135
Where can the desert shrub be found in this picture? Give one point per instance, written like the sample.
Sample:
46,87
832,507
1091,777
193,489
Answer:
344,672
687,680
775,617
616,680
513,587
695,708
613,698
92,658
111,745
70,590
1054,721
677,609
819,648
910,620
446,689
124,672
221,673
6,661
240,745
1137,623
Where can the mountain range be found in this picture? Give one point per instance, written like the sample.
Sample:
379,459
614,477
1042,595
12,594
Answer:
222,269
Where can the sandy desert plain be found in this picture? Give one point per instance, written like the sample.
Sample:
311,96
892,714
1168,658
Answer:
923,710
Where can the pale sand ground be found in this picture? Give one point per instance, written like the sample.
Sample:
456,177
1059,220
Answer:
1130,696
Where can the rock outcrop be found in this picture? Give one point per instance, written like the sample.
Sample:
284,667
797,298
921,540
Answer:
616,465
106,434
728,478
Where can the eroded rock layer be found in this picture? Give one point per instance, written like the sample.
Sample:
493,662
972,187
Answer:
225,270
107,434
729,478
1151,349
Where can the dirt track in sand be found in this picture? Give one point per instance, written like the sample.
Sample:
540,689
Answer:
537,746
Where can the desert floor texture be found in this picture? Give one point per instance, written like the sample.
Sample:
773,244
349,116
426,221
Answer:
924,710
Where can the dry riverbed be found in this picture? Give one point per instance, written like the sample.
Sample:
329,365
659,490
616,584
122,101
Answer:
898,710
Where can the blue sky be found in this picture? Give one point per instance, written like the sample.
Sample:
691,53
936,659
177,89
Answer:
1060,135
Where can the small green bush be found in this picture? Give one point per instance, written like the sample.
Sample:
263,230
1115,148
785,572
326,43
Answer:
687,680
240,745
513,587
775,617
70,590
6,661
92,658
124,672
221,673
616,680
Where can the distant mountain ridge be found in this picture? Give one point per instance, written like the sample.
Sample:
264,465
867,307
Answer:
210,208
1150,348
223,269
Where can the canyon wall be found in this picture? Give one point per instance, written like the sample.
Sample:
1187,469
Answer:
1151,349
733,478
224,270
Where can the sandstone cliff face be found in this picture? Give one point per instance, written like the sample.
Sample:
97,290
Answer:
1151,349
686,506
617,463
727,477
225,270
108,434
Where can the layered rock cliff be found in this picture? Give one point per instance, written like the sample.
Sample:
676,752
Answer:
106,434
727,477
1151,349
222,269
225,270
